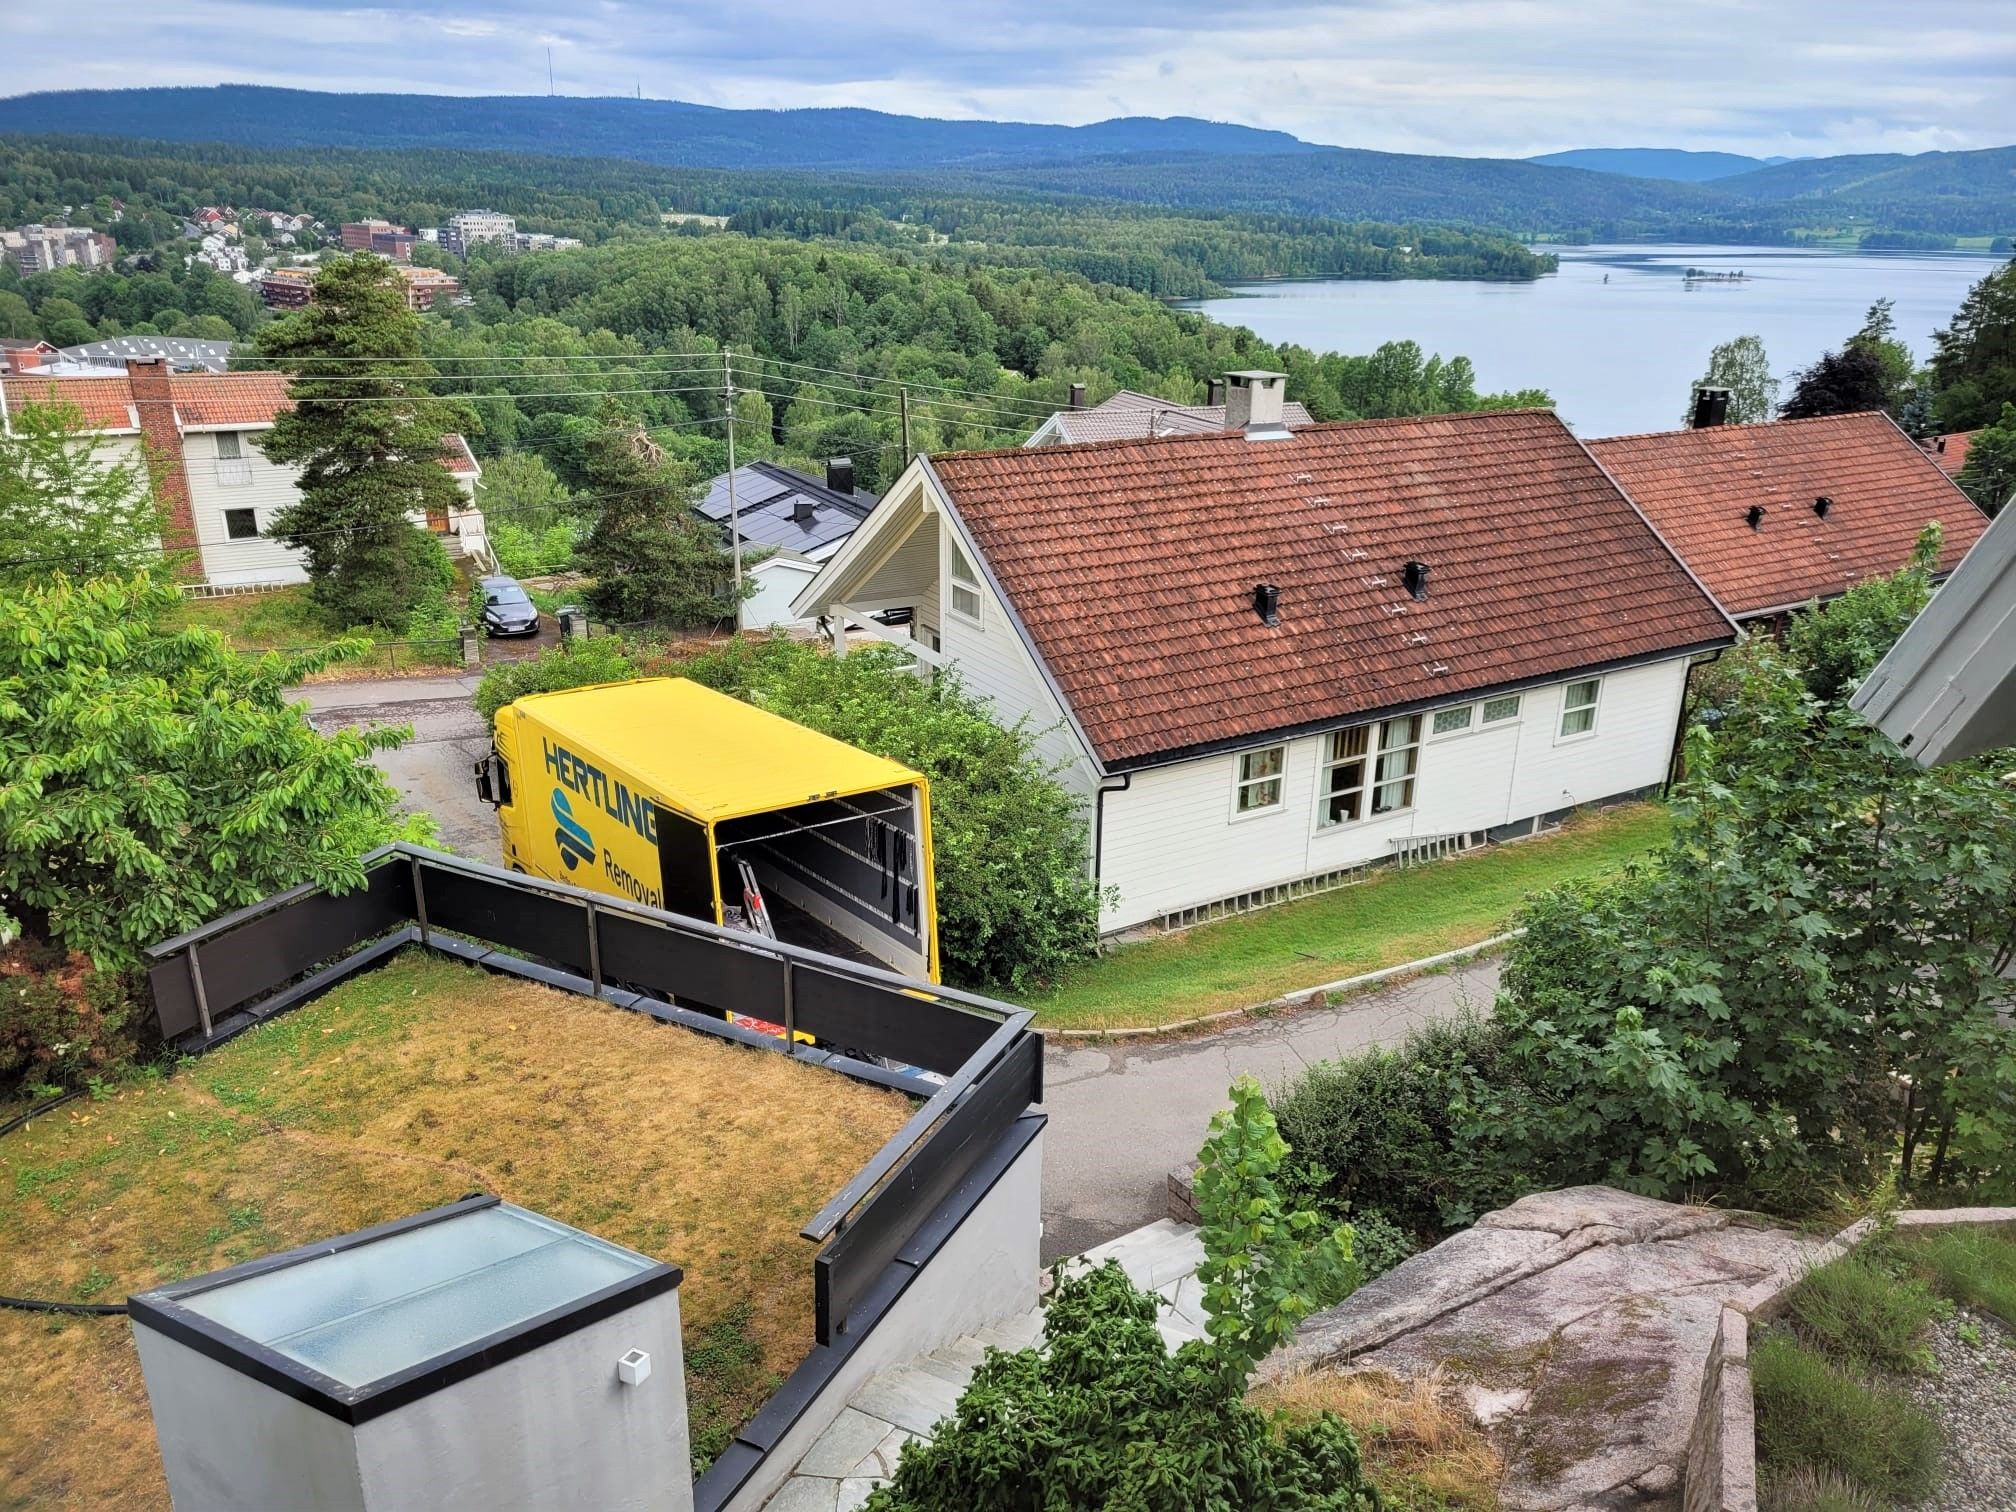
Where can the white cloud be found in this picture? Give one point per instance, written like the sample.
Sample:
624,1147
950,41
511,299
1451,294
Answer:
1495,77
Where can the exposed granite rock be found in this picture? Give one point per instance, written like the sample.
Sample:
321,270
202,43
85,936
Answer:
1579,1324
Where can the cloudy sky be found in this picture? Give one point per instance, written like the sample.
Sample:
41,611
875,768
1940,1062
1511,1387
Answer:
1487,77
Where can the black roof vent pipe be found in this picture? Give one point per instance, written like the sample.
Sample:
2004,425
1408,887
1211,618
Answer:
1821,505
1267,603
1077,396
1415,576
840,475
1755,515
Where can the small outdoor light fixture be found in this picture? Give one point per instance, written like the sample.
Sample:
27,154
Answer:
1821,505
1755,515
465,1347
1415,576
1267,603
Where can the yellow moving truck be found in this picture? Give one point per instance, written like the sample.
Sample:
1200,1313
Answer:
675,796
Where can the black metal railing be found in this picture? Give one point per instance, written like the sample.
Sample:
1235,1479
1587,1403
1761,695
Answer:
985,1061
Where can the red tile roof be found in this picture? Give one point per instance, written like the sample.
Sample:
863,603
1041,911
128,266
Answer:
1133,565
1697,487
456,456
230,398
200,398
1950,452
104,401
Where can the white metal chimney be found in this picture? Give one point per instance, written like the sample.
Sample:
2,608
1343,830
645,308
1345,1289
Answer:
1253,404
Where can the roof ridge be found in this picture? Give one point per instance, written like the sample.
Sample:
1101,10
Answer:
1747,425
1219,435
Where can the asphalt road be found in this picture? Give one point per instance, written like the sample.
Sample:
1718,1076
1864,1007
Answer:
433,770
1123,1115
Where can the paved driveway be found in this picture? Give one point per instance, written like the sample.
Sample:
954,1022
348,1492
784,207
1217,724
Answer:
432,770
1122,1116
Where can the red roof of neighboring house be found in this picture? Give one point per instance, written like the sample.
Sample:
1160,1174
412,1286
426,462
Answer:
456,456
1133,563
241,399
1950,452
1698,486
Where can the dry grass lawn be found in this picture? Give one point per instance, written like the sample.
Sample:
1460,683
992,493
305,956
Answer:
1421,1450
403,1089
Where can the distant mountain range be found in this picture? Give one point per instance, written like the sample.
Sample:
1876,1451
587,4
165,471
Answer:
1673,163
1182,161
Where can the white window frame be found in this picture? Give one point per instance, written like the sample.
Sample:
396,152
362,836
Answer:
961,577
1329,763
1518,702
1378,742
237,452
1388,748
1561,731
1469,725
1242,779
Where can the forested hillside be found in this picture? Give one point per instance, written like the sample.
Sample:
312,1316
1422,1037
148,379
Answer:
1654,162
828,339
1182,163
1160,252
656,131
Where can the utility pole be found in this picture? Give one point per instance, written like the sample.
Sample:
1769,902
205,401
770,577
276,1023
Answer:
734,506
903,397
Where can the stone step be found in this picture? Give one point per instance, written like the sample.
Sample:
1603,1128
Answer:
955,1371
908,1398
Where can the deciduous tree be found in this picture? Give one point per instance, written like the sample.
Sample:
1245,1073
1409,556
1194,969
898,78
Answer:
1741,367
70,503
151,779
1839,383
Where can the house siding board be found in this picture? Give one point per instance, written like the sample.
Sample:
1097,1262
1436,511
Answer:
993,662
269,488
1133,564
1171,841
1697,486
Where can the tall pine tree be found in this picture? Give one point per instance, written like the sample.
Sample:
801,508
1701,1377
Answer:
650,556
366,433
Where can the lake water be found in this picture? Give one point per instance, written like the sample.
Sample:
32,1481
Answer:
1619,334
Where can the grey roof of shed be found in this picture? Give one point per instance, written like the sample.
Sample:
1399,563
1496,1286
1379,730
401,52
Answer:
768,497
1131,416
181,351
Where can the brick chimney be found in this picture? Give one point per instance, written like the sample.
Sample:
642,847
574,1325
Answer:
167,467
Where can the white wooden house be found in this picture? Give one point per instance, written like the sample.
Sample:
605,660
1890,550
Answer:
195,434
1267,657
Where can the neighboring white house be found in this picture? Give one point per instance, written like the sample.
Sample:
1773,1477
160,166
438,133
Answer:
196,432
1267,657
1131,416
793,517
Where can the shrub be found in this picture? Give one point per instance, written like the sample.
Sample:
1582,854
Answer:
525,552
1386,1129
61,1021
1811,1414
1016,902
1104,1416
573,664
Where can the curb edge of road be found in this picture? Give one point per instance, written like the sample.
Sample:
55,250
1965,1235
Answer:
1301,997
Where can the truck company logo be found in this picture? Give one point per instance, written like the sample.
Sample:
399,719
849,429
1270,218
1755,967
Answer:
589,781
576,844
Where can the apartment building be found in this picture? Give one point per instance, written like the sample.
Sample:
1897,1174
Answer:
36,248
470,228
380,236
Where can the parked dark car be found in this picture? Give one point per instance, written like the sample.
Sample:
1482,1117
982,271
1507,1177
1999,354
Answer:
507,610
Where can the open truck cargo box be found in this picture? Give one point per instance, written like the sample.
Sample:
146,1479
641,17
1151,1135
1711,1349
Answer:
657,789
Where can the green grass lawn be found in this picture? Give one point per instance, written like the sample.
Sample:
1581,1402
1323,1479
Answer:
1400,916
288,619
